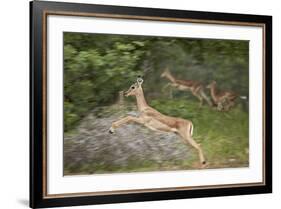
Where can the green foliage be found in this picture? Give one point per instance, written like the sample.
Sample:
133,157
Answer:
93,76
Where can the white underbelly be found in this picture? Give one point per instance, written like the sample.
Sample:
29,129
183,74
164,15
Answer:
181,87
156,125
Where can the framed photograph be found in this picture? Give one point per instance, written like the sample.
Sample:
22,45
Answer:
140,104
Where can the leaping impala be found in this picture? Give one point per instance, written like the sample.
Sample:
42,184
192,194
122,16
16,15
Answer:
156,121
195,87
224,100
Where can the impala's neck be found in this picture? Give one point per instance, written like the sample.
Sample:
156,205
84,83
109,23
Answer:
170,77
141,103
214,92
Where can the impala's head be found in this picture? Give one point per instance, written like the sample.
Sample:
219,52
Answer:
165,73
135,89
211,85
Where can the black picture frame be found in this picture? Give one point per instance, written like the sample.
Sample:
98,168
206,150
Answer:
38,88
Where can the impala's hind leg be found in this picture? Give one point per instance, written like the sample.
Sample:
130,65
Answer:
200,98
187,137
210,103
192,142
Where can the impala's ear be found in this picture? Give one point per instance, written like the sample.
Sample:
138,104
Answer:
139,80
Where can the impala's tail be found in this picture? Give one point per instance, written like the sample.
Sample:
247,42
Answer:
191,129
243,97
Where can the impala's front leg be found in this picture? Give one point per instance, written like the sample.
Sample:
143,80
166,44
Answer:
125,120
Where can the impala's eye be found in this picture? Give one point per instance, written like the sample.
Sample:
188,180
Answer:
133,87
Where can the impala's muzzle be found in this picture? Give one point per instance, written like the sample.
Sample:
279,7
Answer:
127,93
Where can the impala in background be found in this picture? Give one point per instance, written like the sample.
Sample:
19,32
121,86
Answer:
223,99
195,87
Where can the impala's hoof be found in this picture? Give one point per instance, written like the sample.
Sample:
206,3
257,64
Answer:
111,131
204,164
